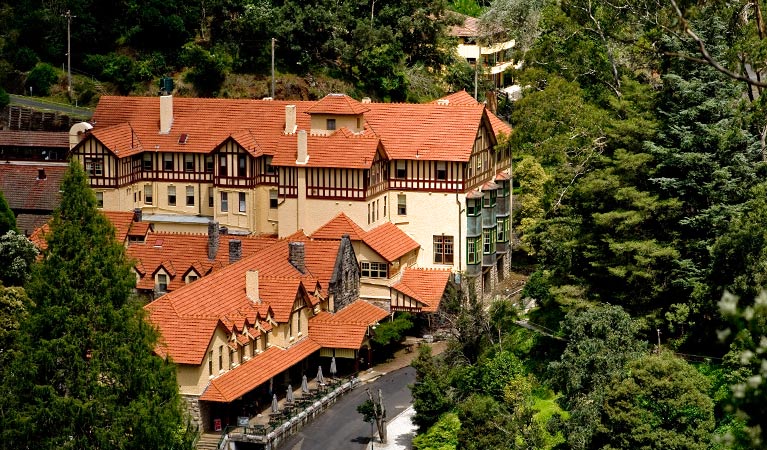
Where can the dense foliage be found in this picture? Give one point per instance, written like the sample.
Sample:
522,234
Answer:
81,365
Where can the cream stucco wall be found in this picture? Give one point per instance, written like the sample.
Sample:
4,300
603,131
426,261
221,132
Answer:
351,122
310,214
192,379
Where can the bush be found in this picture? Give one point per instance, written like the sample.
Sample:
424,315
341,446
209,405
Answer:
41,78
4,98
394,331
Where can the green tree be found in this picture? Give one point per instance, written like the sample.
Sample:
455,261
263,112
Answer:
7,218
17,253
601,341
430,398
5,99
86,375
661,403
41,78
443,435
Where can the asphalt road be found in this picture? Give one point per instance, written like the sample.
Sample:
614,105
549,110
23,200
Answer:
31,102
341,427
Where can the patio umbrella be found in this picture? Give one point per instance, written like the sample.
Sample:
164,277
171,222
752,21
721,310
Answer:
275,408
333,369
320,378
304,385
289,397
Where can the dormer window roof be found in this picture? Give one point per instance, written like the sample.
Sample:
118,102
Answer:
340,104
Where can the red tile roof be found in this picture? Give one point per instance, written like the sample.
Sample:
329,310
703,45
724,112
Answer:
23,190
180,252
389,241
462,98
122,221
469,27
256,371
424,285
338,104
360,312
347,328
338,226
46,139
130,125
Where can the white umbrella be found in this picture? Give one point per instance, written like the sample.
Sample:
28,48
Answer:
304,385
275,408
289,398
320,378
333,369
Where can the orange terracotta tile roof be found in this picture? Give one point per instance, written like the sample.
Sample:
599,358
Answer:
347,328
389,241
469,27
338,104
23,190
122,221
424,285
130,125
38,236
338,226
256,371
181,337
340,149
462,98
181,252
45,139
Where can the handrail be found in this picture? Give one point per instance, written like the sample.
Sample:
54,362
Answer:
224,434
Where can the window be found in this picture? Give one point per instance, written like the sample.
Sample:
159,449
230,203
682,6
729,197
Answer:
189,163
503,229
441,170
148,197
220,357
401,205
171,195
298,318
331,124
385,206
488,241
473,250
222,166
191,278
273,199
94,167
374,269
224,201
210,362
190,196
270,169
99,199
231,358
253,345
147,161
473,207
368,213
210,197
208,164
241,166
242,202
167,161
505,187
290,326
401,171
489,199
162,282
443,249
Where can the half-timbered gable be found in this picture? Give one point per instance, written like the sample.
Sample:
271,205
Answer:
100,164
482,163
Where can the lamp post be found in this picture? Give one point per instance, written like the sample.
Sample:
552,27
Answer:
69,17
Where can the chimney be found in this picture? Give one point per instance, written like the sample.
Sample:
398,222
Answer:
296,256
41,174
365,100
166,113
251,286
137,215
213,238
235,250
303,152
290,119
443,102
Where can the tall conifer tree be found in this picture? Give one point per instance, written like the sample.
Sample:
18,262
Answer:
87,377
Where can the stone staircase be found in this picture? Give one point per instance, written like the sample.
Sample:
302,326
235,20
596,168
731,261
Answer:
208,441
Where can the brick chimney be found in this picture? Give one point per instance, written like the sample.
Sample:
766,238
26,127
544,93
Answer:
213,238
296,256
290,119
166,113
235,250
303,148
251,286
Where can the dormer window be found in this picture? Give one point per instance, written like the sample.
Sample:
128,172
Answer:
162,282
330,124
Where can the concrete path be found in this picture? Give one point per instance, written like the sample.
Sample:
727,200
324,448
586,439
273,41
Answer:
400,432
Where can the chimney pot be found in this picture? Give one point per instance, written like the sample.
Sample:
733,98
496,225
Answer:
366,100
290,119
166,113
137,215
41,174
251,285
303,151
296,256
235,250
213,238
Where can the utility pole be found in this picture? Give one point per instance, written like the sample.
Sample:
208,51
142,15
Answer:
69,17
273,67
658,330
